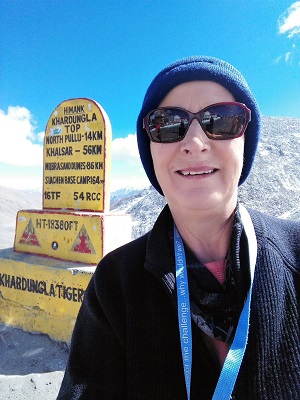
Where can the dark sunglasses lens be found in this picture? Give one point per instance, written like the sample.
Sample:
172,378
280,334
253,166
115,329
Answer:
168,125
224,121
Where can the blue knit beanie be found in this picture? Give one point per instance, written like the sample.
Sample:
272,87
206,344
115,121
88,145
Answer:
200,68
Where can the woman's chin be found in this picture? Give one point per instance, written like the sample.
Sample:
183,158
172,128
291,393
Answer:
201,200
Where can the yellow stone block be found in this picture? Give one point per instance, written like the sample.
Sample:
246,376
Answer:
40,294
72,236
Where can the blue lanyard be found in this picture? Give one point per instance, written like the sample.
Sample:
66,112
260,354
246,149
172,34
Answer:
184,310
236,353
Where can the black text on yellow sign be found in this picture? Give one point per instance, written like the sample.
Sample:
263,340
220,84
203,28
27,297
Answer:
77,157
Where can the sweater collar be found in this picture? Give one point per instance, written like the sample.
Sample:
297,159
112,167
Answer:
160,258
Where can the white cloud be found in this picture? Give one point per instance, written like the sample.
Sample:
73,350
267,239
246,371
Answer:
17,130
278,59
125,149
289,21
127,170
289,25
288,56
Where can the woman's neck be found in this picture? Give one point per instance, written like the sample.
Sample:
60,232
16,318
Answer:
206,234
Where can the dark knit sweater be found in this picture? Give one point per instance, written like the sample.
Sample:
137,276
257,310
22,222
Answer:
126,342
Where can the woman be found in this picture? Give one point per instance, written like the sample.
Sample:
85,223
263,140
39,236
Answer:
148,331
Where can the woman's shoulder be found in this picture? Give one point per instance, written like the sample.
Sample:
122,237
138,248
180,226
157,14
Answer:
126,264
280,234
135,246
127,254
120,270
273,223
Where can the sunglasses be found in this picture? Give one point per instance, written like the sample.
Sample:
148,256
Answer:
220,121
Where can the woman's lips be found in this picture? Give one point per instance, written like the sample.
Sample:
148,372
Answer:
195,172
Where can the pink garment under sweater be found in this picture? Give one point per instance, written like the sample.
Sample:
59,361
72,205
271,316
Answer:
218,348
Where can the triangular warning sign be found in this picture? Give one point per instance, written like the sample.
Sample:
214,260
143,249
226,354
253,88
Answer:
83,243
29,237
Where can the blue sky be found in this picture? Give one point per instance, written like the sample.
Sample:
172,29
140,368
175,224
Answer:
54,50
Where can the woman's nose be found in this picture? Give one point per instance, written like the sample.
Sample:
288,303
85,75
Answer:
195,139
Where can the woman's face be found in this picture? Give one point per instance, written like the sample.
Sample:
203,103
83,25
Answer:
198,173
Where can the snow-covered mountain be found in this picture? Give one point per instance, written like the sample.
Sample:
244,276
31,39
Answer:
273,186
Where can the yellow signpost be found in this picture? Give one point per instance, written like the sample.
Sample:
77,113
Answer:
38,292
77,157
